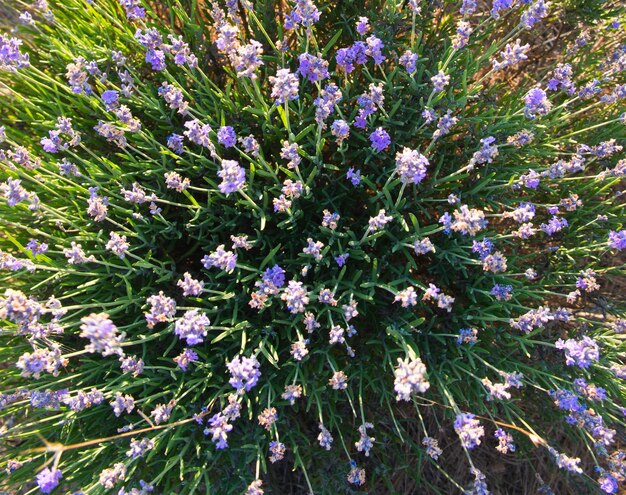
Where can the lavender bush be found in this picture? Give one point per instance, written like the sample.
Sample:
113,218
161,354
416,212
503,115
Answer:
245,238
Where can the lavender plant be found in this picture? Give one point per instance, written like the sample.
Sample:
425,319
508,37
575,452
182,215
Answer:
245,238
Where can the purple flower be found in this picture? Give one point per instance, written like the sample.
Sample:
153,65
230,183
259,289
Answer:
410,378
368,103
325,439
313,68
304,14
14,192
408,60
244,372
468,220
102,334
48,480
469,430
379,221
226,136
432,447
97,206
156,58
174,98
354,176
522,138
444,124
181,52
277,450
111,476
192,327
355,54
118,245
554,225
175,143
365,442
36,247
374,49
267,418
468,7
467,336
162,309
284,86
255,488
579,352
380,139
190,286
485,154
341,259
502,292
511,55
110,98
535,13
463,32
608,483
340,129
440,81
185,358
537,103
250,145
406,297
139,448
233,177
483,248
173,180
82,400
411,166
362,27
296,297
225,260
273,279
564,462
227,41
131,364
161,412
248,59
290,152
495,262
499,5
423,246
617,239
219,429
198,133
133,9
11,59
356,476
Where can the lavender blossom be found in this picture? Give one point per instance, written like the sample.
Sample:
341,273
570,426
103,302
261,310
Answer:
220,258
469,430
233,177
380,139
102,334
440,81
162,309
244,373
410,378
192,327
537,103
411,166
313,68
48,480
285,86
511,55
579,352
